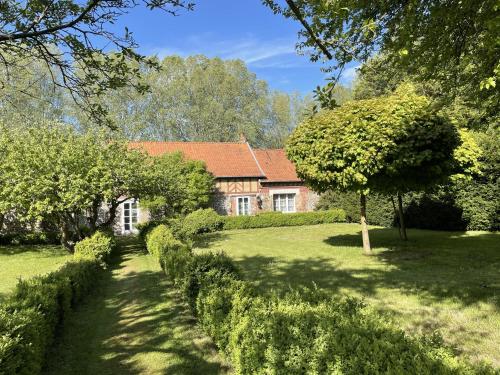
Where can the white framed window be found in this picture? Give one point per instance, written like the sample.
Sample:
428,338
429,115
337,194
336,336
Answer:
130,216
284,202
243,206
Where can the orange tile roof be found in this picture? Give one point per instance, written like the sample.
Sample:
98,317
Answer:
223,159
276,165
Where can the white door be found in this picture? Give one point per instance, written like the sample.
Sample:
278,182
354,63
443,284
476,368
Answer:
243,207
130,214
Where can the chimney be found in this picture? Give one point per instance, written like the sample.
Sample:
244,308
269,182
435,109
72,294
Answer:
243,139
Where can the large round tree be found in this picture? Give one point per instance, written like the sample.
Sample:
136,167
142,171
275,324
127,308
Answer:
387,144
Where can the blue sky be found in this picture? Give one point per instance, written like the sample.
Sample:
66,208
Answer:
232,29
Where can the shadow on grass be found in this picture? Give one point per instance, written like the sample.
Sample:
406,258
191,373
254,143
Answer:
206,240
434,265
47,250
136,324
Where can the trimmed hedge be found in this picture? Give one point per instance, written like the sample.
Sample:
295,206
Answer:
201,221
302,332
36,238
33,315
277,219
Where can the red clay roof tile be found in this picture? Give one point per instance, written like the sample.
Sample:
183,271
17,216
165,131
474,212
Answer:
276,165
223,159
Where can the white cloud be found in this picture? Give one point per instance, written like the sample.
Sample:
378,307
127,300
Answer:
350,74
276,53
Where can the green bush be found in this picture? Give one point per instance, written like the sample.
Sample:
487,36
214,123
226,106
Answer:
30,238
339,336
172,254
222,301
277,219
161,240
203,270
99,247
201,221
379,207
38,308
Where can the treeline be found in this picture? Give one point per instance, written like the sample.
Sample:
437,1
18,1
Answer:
187,99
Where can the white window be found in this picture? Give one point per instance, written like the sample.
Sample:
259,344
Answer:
243,207
130,212
284,202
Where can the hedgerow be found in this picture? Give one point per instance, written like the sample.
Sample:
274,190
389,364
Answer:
277,219
300,332
37,309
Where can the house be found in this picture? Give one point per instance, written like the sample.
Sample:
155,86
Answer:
248,181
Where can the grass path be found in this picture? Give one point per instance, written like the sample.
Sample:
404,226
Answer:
133,324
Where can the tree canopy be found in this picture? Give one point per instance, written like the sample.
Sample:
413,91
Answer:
74,39
203,99
453,42
388,144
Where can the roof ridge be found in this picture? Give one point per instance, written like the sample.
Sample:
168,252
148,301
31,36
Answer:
256,160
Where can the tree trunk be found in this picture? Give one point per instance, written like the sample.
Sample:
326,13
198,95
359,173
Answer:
94,215
112,215
401,218
2,218
367,250
398,221
66,241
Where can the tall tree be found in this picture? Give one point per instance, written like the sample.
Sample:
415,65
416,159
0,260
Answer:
74,37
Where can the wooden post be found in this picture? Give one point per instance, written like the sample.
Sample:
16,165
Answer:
367,250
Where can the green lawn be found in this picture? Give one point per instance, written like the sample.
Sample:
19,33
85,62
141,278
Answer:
27,261
134,323
436,281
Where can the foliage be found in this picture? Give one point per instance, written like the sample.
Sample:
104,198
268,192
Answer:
381,144
205,269
99,247
278,219
293,336
379,207
160,241
39,307
36,238
464,33
204,99
52,173
177,186
201,221
73,39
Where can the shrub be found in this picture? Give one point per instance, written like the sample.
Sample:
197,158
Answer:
221,301
303,331
98,247
201,221
205,269
161,240
277,219
37,309
30,238
291,336
379,207
172,254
